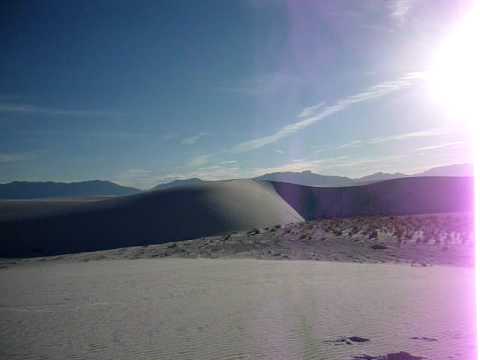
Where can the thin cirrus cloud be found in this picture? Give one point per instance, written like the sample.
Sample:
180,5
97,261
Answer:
311,110
193,139
32,109
351,144
409,135
313,114
16,157
440,146
200,160
399,10
397,137
340,162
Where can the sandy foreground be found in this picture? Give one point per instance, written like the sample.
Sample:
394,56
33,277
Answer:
233,309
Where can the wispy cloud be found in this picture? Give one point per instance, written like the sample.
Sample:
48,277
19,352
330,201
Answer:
140,178
32,109
193,139
15,157
311,110
167,136
352,144
314,114
397,137
409,135
440,146
200,160
138,172
399,9
228,162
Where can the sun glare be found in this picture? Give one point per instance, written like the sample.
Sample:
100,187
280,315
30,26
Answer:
454,82
454,76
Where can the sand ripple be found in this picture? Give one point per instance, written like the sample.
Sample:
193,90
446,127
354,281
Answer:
232,309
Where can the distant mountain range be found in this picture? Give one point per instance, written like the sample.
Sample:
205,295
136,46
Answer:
37,190
465,170
309,178
179,184
379,176
49,189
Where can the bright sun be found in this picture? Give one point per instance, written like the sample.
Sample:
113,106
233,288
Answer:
454,76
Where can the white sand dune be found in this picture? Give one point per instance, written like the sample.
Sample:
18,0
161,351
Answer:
33,228
233,309
146,218
34,208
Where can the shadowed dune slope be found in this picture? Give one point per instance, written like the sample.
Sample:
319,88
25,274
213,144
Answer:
419,195
49,189
33,208
146,218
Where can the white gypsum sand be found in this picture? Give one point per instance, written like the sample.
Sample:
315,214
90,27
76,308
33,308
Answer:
233,309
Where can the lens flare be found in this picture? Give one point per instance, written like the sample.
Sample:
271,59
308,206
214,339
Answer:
454,81
477,236
454,75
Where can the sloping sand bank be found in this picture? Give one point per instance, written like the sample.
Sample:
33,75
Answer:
147,218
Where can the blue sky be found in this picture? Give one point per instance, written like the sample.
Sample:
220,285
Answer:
146,92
